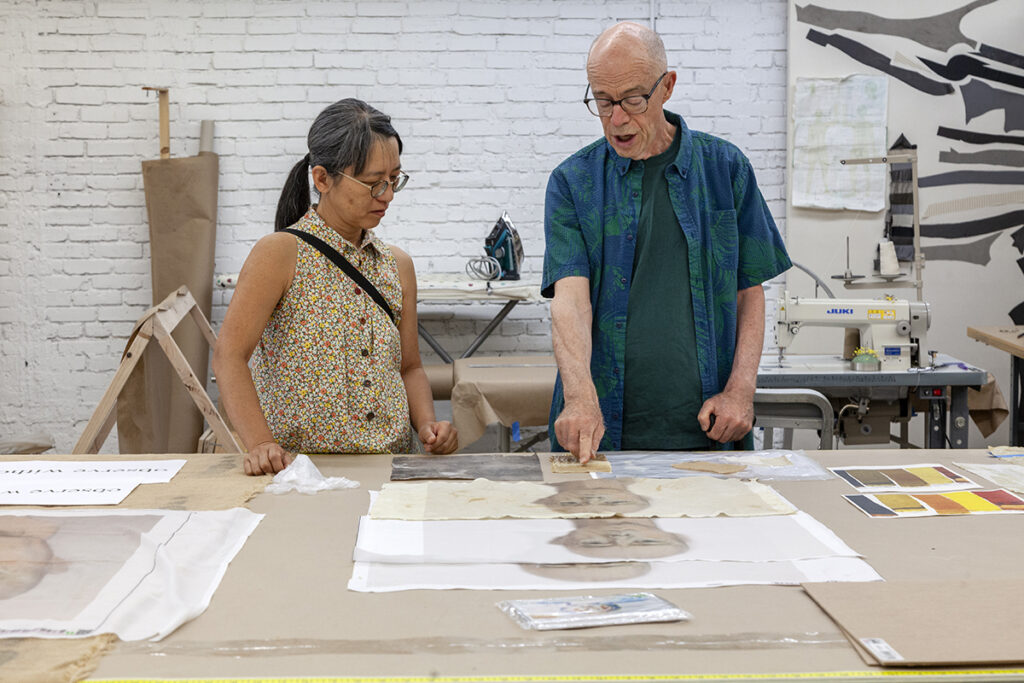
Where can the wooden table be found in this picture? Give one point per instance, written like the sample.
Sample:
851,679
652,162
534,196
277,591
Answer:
283,609
1009,338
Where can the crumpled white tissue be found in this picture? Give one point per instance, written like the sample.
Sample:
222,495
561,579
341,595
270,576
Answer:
303,476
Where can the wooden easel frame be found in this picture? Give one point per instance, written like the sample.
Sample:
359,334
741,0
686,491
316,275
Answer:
158,323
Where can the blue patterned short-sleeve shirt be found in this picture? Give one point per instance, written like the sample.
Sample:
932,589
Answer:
591,212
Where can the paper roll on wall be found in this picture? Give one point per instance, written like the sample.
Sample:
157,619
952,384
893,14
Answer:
205,137
887,261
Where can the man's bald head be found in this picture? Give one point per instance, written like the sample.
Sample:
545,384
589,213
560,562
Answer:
630,38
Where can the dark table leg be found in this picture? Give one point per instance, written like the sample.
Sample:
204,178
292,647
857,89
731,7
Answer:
935,427
433,343
958,417
505,310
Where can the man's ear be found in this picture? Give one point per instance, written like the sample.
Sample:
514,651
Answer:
670,84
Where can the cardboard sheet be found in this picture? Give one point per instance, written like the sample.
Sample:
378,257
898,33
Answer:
483,499
928,623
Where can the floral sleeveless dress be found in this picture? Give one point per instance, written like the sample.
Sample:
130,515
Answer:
328,366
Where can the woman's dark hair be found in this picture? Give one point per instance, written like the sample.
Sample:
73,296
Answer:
341,136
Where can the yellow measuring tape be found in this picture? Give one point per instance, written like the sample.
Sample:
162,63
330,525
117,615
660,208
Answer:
989,674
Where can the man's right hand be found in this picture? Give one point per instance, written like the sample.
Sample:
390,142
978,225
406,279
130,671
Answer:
267,458
580,429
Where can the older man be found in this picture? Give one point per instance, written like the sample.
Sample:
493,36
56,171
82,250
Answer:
658,240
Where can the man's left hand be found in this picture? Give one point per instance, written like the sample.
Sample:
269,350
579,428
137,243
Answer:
733,416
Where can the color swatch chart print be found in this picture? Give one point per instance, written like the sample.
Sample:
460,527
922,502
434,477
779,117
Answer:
922,490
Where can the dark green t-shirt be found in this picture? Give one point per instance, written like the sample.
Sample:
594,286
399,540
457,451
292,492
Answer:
662,378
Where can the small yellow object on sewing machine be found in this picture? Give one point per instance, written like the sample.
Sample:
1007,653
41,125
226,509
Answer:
895,329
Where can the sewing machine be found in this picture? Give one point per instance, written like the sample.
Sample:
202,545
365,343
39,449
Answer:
895,328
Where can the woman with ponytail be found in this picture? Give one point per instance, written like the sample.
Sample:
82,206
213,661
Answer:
335,353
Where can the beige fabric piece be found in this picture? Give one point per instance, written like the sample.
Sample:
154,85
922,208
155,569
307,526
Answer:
44,660
563,463
483,499
209,481
1004,475
715,467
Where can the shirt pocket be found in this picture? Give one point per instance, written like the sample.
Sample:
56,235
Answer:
724,242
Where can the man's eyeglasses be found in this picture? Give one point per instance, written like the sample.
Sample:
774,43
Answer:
634,104
381,186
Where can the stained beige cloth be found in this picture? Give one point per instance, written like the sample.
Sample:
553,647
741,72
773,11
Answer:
503,389
484,499
205,482
43,660
714,467
155,413
565,463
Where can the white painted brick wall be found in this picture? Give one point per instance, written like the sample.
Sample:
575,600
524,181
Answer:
486,95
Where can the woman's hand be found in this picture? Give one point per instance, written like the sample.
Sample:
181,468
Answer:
439,438
267,458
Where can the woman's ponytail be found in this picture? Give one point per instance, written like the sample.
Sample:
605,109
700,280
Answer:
294,201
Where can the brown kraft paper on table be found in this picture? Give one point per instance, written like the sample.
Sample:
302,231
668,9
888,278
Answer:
155,413
205,482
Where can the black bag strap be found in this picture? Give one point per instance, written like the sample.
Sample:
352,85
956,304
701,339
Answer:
346,267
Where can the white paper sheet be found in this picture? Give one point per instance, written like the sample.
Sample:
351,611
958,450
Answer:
63,492
376,577
137,471
833,119
738,539
85,482
136,573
